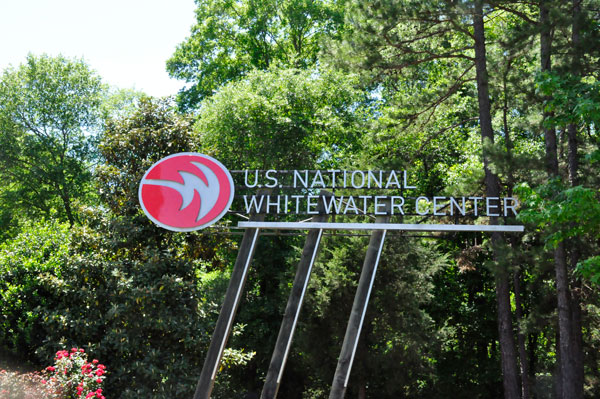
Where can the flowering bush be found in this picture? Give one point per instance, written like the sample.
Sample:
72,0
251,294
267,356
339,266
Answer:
74,377
71,377
135,307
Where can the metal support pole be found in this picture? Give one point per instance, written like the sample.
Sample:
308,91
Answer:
359,309
294,304
230,305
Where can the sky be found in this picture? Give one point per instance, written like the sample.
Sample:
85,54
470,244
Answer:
127,42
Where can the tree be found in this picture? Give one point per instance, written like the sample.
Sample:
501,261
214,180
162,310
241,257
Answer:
492,185
284,118
398,337
232,38
131,143
48,112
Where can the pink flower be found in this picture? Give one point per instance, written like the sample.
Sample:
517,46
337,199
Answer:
51,368
99,380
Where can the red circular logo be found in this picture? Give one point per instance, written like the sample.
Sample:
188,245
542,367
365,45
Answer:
186,191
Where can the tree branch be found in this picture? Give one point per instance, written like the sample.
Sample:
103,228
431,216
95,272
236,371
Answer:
520,14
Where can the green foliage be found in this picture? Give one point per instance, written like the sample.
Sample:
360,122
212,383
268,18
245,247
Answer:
563,214
36,254
419,56
146,299
283,118
466,355
131,143
570,98
560,212
466,176
398,338
48,112
590,269
149,314
162,289
232,38
131,293
119,103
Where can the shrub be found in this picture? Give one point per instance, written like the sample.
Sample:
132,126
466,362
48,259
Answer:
149,312
74,377
38,253
71,377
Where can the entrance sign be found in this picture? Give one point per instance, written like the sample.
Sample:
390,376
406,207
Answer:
186,191
191,191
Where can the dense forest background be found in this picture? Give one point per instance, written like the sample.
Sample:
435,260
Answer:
477,98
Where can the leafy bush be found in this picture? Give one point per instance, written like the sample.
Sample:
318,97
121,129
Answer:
38,253
148,311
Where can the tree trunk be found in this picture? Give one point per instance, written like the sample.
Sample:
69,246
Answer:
505,328
573,161
576,70
362,391
545,59
574,181
565,326
532,340
67,204
558,380
525,385
569,380
523,360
